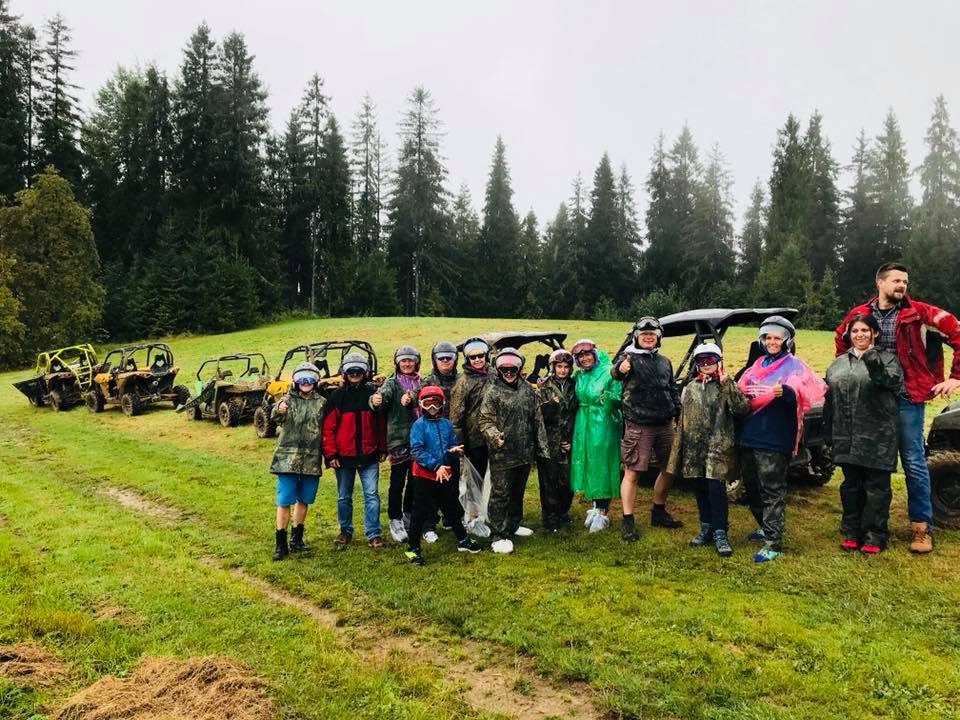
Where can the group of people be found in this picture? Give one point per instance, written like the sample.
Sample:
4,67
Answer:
592,426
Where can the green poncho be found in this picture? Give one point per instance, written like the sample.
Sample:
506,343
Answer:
595,457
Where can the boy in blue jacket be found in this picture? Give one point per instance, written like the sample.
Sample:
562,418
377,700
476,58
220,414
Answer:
432,445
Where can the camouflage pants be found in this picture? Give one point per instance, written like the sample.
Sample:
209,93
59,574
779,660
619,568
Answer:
765,478
555,493
505,509
865,496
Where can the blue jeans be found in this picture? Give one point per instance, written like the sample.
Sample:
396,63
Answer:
369,474
910,431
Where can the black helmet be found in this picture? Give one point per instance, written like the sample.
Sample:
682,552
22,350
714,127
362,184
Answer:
443,347
353,361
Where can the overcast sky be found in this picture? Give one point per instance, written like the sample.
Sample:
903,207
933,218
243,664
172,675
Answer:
564,81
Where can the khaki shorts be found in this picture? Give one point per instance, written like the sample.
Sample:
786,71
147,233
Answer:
640,442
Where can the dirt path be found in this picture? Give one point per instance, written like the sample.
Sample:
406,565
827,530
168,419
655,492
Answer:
491,678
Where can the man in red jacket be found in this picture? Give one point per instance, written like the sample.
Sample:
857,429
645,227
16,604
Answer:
915,331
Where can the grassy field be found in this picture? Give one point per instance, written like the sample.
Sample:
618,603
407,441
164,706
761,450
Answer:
125,537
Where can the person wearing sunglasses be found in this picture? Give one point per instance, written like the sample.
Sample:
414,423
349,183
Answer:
465,402
297,458
704,445
355,443
512,425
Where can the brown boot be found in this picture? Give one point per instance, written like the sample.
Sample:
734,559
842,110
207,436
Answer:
342,540
922,541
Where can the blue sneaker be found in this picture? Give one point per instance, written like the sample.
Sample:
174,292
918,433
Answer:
766,555
757,535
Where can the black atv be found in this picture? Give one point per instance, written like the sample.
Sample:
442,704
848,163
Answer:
943,459
550,339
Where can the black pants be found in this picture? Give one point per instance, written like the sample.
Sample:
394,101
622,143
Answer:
765,477
505,509
451,488
479,457
711,502
429,495
865,496
555,493
400,495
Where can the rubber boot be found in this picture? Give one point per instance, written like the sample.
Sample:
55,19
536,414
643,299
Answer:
296,539
628,529
281,550
721,543
704,537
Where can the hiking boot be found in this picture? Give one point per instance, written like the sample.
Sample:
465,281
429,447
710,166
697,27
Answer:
376,542
702,538
296,539
659,517
430,536
757,534
342,540
522,531
922,541
850,545
414,556
721,543
397,531
628,530
469,545
766,554
280,551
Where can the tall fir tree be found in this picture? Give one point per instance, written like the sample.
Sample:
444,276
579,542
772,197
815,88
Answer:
860,252
57,105
312,119
752,237
465,254
661,258
823,214
608,263
530,264
366,161
888,189
341,261
13,104
789,191
577,249
709,261
499,242
561,269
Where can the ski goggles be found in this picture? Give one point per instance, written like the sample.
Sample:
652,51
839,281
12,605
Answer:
431,403
508,369
354,371
707,360
305,380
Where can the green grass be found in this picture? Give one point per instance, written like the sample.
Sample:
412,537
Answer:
657,629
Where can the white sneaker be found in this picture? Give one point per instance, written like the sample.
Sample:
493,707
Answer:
396,531
523,531
589,519
600,522
502,546
430,536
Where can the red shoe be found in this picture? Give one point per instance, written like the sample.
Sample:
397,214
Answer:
850,545
870,549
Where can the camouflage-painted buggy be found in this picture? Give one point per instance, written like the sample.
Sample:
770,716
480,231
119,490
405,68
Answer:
229,388
61,378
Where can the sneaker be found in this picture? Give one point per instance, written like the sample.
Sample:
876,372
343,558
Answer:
502,547
414,557
397,531
721,543
850,545
600,522
469,545
702,538
591,513
523,531
342,540
659,517
766,554
376,542
757,534
922,541
870,549
430,536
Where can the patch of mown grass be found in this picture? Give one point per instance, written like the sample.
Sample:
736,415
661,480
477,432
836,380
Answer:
657,628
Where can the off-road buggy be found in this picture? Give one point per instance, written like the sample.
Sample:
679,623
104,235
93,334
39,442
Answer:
813,464
550,339
327,356
229,388
943,459
135,376
61,377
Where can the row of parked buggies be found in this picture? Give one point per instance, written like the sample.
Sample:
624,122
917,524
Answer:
240,387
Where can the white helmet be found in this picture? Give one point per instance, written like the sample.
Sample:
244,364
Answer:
708,348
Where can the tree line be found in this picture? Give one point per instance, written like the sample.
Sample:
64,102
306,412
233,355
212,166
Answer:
172,206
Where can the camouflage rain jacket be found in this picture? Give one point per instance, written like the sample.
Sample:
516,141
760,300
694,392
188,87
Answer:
465,406
513,411
298,447
861,408
558,404
704,445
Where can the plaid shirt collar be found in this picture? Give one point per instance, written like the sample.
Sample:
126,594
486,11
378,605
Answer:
888,324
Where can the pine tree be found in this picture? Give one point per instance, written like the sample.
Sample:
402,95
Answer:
57,115
752,239
417,207
933,251
465,254
341,261
709,261
823,215
499,242
608,265
366,157
312,117
628,227
784,279
888,190
560,266
530,264
661,259
789,192
47,234
13,109
860,251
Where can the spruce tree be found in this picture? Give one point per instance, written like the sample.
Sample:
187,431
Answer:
367,154
57,113
530,264
888,188
860,252
340,260
499,242
608,263
561,289
784,279
752,238
789,192
823,214
465,254
709,262
661,258
13,109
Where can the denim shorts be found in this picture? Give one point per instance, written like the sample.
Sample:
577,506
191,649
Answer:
293,488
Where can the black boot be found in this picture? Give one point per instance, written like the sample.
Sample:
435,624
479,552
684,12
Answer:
628,530
281,550
296,539
659,517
